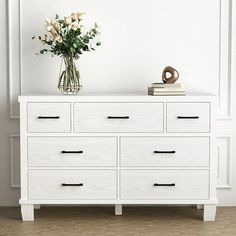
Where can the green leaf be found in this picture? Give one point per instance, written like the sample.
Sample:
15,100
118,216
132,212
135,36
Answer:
33,37
57,16
98,43
41,51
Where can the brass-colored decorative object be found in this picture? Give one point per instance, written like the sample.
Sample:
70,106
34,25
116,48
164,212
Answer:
174,75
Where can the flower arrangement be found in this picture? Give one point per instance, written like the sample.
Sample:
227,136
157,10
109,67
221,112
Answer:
67,38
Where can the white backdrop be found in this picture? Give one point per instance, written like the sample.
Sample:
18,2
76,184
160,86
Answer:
139,38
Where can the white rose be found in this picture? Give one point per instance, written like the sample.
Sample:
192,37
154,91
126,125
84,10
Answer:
80,15
48,21
75,25
58,39
56,25
48,27
74,16
67,20
54,32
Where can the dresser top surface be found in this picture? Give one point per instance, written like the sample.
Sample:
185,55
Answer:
124,97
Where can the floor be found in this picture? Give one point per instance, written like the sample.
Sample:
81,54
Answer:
96,221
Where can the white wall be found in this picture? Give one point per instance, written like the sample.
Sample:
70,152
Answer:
139,38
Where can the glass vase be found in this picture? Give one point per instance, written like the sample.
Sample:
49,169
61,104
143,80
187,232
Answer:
69,78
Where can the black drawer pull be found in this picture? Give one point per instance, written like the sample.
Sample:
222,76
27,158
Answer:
73,185
187,117
118,117
164,152
65,152
163,185
48,117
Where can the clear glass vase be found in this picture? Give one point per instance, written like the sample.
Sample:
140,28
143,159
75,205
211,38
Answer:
69,78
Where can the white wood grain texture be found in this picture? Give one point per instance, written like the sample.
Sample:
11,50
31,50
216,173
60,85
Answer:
27,212
140,97
23,151
199,207
49,125
92,117
188,125
189,151
37,206
97,184
118,201
190,184
118,209
97,151
209,212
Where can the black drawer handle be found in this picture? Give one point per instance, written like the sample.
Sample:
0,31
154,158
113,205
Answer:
163,185
187,117
48,117
118,117
65,152
164,152
73,185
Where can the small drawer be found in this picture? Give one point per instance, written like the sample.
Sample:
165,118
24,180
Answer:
165,151
118,117
72,151
164,184
72,184
48,117
188,117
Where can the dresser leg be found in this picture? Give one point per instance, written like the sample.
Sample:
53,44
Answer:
199,206
118,209
27,212
37,206
209,212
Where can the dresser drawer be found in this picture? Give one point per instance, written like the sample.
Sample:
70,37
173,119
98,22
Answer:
188,117
165,151
164,184
72,184
48,117
118,117
71,151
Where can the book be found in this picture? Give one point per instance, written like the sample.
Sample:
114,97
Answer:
164,85
163,89
166,89
167,94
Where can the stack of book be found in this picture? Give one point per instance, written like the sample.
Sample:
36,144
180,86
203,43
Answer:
161,89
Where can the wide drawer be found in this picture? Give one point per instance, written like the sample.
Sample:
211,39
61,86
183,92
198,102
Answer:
118,117
48,117
188,117
165,151
69,151
72,184
164,184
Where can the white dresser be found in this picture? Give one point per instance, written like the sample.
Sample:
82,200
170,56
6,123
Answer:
133,149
